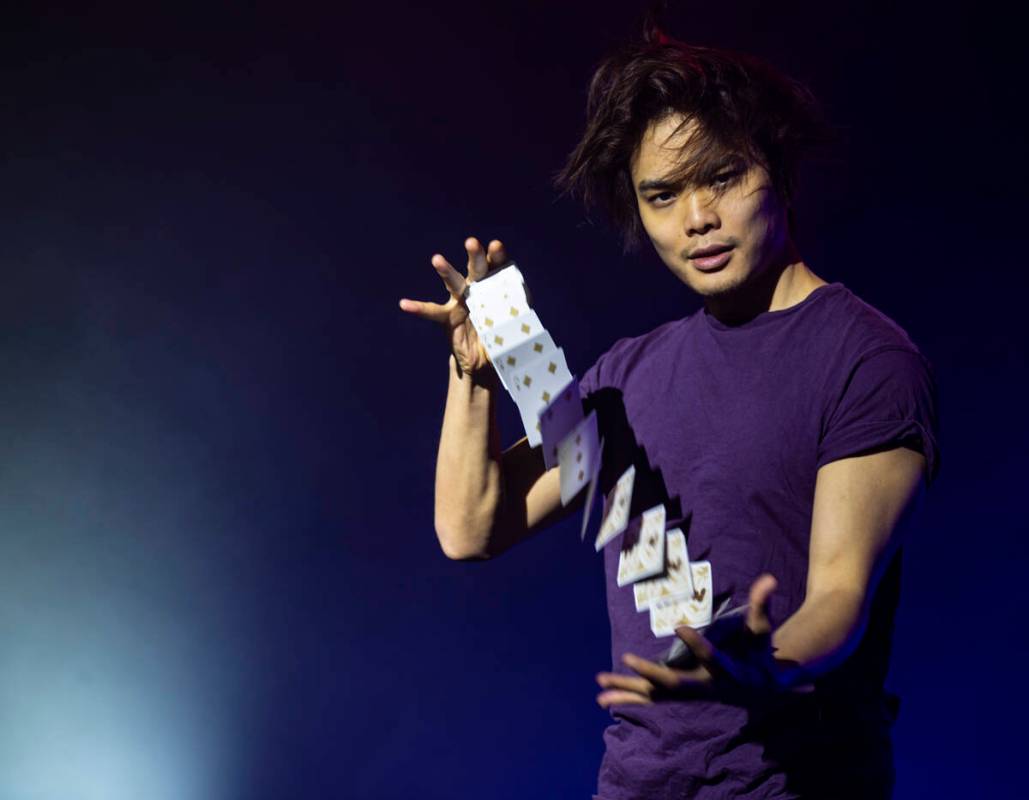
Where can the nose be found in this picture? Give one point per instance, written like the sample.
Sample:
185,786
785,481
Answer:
700,215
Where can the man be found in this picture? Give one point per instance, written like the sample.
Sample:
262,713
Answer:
786,429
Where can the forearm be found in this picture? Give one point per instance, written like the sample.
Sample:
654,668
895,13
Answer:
820,634
468,470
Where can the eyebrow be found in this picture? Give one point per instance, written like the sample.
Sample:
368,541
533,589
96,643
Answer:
657,183
666,183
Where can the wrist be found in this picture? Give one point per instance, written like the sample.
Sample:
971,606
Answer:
484,378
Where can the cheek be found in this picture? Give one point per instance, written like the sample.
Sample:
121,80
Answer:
661,234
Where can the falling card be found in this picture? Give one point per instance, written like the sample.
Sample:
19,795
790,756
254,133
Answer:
694,610
646,557
497,299
591,491
513,357
534,386
618,505
677,580
562,414
578,458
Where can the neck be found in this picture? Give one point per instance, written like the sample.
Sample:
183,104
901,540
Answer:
786,282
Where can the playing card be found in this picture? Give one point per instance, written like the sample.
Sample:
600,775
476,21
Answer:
725,623
507,335
578,458
646,557
513,357
591,490
516,342
534,386
669,613
494,300
618,505
677,580
562,414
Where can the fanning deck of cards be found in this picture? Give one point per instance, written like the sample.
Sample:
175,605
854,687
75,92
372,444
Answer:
533,370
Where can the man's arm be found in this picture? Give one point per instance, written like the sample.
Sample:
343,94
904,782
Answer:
854,532
858,504
486,500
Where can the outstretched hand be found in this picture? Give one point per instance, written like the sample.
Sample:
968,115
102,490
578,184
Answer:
453,314
744,671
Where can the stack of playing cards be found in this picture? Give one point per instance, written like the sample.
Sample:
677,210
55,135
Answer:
534,371
674,591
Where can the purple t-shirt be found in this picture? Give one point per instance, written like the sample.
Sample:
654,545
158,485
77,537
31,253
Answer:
727,426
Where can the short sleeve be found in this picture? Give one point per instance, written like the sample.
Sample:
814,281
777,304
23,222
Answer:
888,399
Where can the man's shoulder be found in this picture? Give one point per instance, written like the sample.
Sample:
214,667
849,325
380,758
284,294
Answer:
860,329
631,353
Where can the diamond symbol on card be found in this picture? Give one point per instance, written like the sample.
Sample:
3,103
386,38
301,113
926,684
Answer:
552,368
525,328
538,347
546,397
578,457
528,380
510,361
581,474
498,339
488,322
514,311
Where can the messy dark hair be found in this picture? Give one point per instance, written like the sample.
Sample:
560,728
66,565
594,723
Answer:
744,110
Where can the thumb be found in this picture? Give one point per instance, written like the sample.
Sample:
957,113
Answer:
760,594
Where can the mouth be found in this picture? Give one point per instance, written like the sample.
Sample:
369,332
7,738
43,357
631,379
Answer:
711,258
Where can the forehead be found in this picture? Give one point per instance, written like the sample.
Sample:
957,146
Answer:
662,147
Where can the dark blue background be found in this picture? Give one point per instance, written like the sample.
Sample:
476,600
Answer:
218,574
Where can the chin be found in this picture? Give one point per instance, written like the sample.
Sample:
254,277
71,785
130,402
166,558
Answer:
712,284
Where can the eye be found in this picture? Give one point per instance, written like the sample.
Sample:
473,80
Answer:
661,198
726,178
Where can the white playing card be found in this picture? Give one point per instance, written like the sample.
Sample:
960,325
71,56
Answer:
562,414
508,361
534,386
494,300
677,580
578,458
515,342
694,610
508,335
646,558
617,509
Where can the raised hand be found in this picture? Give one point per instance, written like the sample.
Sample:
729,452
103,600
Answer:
452,315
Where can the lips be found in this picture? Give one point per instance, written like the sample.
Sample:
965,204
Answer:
713,250
711,258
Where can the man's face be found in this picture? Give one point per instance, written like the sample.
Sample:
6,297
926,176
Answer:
739,216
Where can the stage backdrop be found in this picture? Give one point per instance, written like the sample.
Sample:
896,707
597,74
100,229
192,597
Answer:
218,571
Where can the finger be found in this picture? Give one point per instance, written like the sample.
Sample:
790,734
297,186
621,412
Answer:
694,678
700,646
478,267
451,277
760,594
496,255
655,673
632,683
620,698
709,656
434,312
